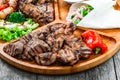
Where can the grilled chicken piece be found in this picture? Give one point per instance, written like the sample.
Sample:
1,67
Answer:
46,58
14,49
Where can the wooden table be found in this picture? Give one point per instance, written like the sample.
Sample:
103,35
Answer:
109,70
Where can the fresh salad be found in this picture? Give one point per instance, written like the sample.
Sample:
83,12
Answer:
80,13
15,26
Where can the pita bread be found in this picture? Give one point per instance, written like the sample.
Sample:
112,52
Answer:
104,16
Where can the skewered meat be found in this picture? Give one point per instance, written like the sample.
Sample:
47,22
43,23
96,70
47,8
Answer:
46,58
31,11
5,12
49,45
13,3
44,1
49,12
25,39
42,13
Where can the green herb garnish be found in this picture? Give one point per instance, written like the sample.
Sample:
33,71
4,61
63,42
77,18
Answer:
90,7
16,17
84,12
76,21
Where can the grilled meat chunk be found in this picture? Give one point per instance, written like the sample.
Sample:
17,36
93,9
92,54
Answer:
57,26
32,11
42,12
14,49
58,44
54,43
45,1
46,58
67,56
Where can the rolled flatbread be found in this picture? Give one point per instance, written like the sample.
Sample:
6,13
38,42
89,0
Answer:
103,16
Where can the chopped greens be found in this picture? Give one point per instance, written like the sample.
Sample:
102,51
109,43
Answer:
8,33
84,12
16,17
77,21
72,16
90,7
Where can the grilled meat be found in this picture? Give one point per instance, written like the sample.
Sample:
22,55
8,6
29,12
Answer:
49,45
58,43
67,56
42,13
46,58
32,11
14,49
45,1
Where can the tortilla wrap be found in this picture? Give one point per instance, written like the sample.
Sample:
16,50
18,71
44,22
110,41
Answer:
104,16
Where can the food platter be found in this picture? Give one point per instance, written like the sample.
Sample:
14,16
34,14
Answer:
110,36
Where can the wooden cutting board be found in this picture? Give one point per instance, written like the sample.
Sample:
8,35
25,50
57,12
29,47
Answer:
110,36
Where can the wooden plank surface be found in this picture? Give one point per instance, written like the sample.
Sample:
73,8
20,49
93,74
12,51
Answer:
8,72
107,71
117,65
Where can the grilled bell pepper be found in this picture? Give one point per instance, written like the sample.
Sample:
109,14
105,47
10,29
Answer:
3,4
94,41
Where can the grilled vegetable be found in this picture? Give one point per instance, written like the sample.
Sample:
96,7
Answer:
94,41
3,4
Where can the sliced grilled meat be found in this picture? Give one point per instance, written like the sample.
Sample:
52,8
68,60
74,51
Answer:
46,58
